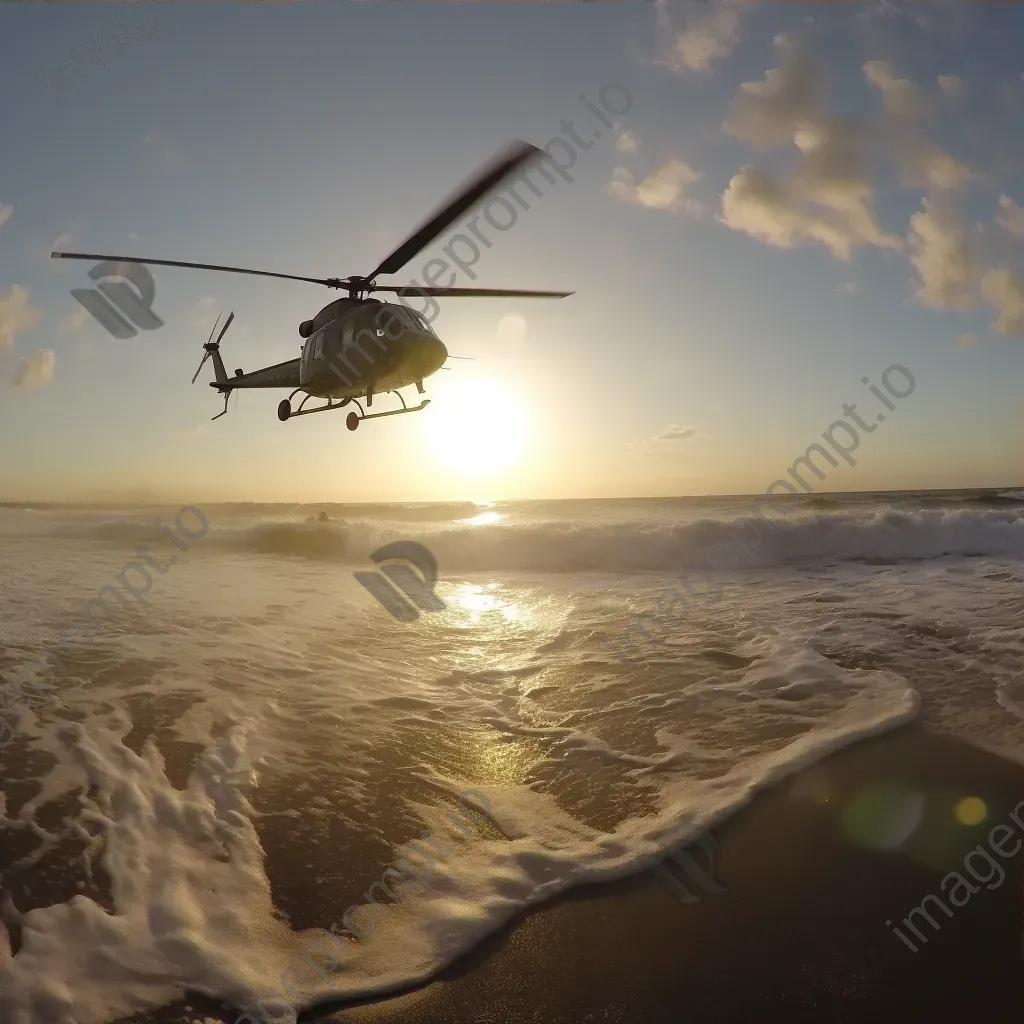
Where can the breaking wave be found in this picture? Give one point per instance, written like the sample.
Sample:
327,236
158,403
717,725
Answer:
885,536
626,547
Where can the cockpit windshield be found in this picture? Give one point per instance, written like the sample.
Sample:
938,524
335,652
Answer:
419,321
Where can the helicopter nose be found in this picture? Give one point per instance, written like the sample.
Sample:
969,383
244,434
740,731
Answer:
425,352
432,353
439,353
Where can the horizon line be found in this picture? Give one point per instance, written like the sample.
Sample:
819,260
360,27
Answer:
470,501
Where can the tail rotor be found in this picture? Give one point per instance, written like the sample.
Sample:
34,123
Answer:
206,353
211,349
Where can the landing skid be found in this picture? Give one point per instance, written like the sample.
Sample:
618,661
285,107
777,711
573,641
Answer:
227,398
352,421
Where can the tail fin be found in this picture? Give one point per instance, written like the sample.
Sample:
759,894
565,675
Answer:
213,349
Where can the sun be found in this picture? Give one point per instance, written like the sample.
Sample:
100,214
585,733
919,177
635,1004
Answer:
476,427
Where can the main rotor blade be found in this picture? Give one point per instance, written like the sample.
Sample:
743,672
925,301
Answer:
478,293
513,156
331,282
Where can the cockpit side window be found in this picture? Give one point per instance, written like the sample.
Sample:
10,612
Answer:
421,322
409,317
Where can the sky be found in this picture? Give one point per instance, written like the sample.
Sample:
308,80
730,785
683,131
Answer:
795,196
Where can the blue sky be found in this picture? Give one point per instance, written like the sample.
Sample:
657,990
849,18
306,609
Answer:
742,255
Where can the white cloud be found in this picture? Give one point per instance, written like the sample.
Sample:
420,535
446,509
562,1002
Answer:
74,323
663,190
828,197
850,288
671,442
712,39
954,268
1010,217
623,184
938,169
921,162
941,255
766,114
953,86
5,213
967,341
806,207
627,142
35,371
16,314
678,433
949,276
1004,291
900,96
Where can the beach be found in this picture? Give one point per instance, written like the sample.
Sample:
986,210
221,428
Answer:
799,933
258,793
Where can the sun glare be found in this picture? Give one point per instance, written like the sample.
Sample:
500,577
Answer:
476,427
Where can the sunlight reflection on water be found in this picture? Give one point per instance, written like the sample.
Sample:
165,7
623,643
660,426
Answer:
478,601
484,519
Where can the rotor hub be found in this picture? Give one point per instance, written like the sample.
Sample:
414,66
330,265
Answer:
358,287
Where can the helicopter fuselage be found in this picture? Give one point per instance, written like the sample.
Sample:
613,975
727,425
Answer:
360,344
354,347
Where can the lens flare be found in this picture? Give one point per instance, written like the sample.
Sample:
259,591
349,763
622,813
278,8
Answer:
970,811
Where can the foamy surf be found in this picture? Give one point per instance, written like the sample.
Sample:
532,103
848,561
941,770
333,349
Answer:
225,772
190,904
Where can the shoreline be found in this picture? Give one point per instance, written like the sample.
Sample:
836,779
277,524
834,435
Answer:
798,928
800,931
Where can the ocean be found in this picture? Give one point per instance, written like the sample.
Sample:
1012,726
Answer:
230,770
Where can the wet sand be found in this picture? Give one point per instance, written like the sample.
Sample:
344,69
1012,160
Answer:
799,934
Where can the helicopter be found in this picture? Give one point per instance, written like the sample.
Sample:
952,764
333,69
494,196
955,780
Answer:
397,345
